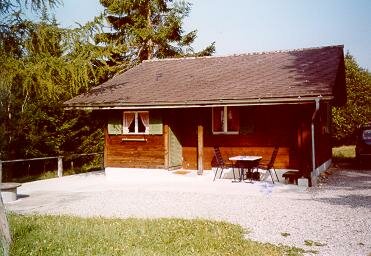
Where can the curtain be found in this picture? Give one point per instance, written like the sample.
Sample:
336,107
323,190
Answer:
218,116
144,116
233,119
128,119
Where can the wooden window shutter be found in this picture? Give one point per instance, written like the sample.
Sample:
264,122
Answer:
155,123
115,125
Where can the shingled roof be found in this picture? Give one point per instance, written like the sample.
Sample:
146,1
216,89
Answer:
256,78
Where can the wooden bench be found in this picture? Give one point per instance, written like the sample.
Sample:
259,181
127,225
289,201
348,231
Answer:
292,177
9,191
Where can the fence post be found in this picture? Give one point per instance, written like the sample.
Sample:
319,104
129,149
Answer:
60,166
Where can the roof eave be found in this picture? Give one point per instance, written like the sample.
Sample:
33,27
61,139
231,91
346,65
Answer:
197,104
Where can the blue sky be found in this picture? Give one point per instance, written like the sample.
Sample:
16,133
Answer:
242,26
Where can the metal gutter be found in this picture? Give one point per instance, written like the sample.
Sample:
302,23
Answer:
317,100
195,104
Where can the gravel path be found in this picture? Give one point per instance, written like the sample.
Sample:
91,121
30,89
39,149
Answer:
335,215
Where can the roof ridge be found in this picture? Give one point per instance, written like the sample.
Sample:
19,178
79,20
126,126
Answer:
246,54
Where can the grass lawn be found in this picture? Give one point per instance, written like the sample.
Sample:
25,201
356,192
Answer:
344,153
65,235
53,174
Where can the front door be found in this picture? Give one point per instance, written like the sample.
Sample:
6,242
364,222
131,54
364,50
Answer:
175,151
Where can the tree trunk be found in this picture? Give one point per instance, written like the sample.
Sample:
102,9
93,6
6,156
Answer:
5,232
149,43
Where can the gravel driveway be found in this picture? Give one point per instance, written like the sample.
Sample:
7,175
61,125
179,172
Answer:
335,217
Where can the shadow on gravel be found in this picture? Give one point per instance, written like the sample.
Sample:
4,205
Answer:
349,184
93,173
342,179
351,163
19,196
353,201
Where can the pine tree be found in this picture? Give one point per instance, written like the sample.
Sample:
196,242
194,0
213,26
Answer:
11,39
146,29
42,67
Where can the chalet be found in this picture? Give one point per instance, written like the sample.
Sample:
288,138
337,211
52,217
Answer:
170,113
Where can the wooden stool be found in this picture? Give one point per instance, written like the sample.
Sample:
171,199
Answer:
292,177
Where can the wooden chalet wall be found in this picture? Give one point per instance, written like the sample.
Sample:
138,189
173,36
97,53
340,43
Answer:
134,151
323,146
261,128
134,154
323,134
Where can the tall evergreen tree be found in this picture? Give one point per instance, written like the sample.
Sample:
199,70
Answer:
145,29
12,16
11,38
43,67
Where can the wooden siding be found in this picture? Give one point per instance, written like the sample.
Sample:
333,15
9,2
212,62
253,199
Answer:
262,128
190,154
175,151
302,158
323,135
134,151
135,154
265,127
323,146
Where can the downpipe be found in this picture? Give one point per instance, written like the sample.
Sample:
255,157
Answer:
317,100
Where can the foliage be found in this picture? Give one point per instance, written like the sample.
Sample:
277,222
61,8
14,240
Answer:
48,62
43,129
17,7
82,164
43,66
357,110
12,17
145,29
344,153
62,235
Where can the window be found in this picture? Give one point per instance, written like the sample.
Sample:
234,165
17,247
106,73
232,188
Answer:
225,120
136,122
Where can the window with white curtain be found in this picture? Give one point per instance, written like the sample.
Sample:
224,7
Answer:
136,122
225,120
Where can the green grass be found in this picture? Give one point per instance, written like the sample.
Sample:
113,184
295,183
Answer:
313,243
65,235
46,175
53,174
344,153
285,234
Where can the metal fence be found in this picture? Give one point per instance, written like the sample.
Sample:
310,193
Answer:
31,168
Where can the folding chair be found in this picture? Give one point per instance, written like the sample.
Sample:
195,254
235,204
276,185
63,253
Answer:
269,166
221,164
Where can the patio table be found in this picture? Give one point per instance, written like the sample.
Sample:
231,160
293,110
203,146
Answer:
245,163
